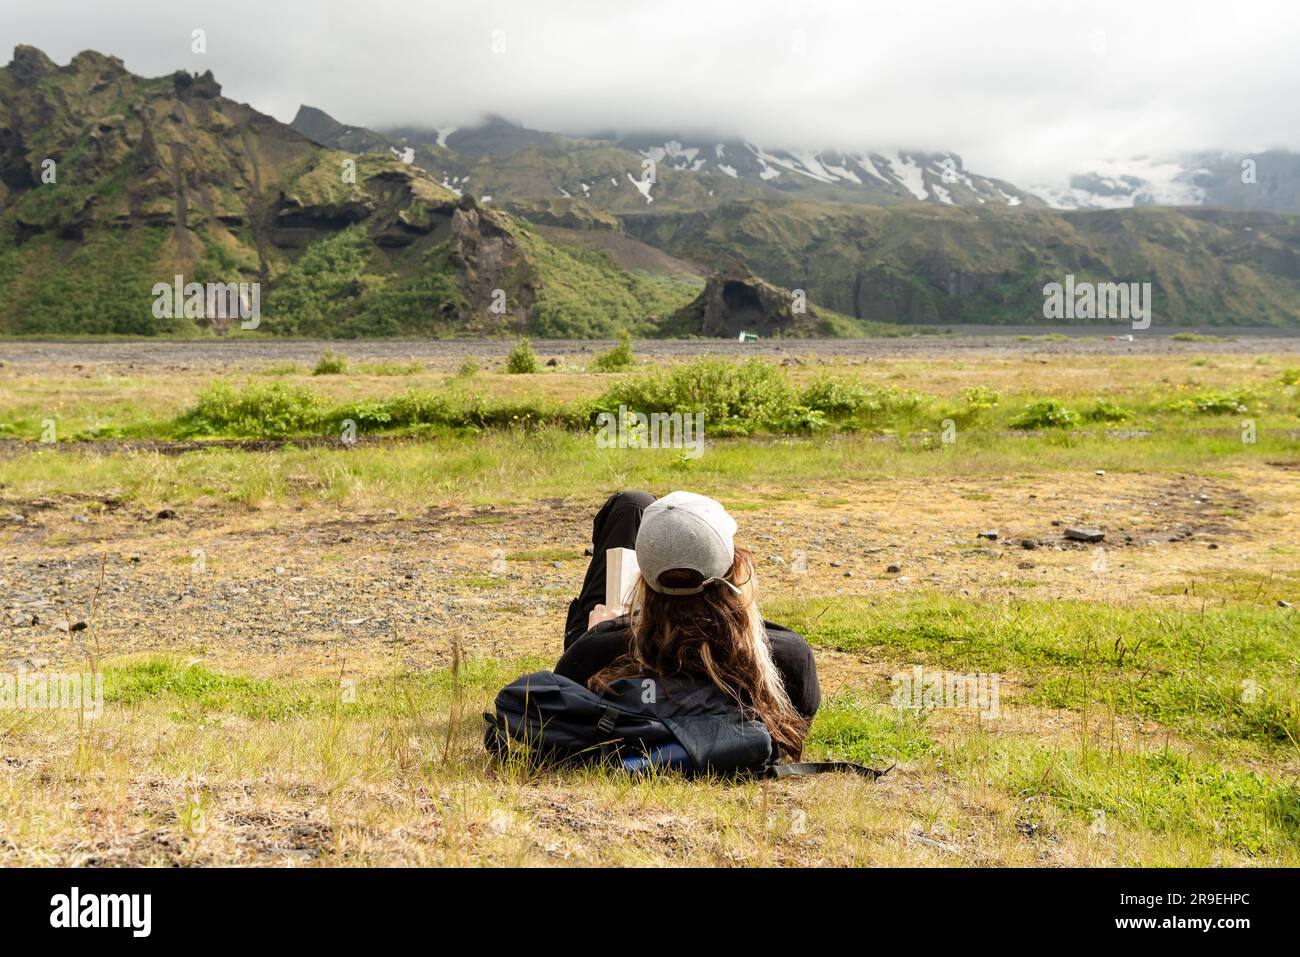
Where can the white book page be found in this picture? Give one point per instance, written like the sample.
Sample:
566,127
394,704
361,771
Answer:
621,573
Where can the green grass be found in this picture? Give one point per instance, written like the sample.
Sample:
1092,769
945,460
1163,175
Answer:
1165,794
100,286
511,464
1189,670
851,728
749,397
191,691
1159,791
545,555
584,294
388,367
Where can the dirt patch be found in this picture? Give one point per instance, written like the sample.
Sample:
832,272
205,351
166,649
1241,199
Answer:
307,587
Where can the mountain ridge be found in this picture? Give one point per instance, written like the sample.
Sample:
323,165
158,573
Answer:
633,164
111,184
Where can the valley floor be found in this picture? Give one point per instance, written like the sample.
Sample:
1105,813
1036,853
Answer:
294,674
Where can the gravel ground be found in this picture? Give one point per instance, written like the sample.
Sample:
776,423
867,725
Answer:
252,586
146,354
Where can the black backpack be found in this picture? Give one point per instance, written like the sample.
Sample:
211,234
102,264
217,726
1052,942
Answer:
561,722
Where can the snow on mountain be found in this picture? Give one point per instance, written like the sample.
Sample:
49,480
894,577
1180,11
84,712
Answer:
643,186
899,175
1267,180
1119,184
909,174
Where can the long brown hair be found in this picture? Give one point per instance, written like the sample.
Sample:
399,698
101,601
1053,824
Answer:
716,636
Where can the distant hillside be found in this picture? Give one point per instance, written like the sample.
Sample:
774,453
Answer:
111,183
922,264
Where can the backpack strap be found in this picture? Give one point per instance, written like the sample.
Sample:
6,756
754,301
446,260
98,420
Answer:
803,769
608,718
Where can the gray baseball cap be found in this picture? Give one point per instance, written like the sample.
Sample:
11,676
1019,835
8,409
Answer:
686,530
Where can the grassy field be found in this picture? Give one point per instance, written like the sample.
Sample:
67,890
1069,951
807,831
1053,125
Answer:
297,635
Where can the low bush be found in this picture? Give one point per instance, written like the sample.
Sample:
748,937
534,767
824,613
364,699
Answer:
618,358
1046,414
736,398
980,398
1212,403
331,363
522,360
275,410
1107,411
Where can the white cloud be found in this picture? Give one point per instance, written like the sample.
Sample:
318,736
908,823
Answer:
1019,88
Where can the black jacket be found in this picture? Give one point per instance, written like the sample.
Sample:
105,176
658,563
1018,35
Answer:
609,640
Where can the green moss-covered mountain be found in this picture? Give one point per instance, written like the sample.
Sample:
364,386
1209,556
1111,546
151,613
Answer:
111,183
928,264
872,254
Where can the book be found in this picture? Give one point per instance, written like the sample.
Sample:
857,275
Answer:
621,573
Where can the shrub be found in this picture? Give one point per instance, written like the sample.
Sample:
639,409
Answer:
468,369
755,395
1212,403
279,411
368,414
1107,411
980,398
736,398
260,411
620,357
803,419
420,408
836,397
1046,414
331,363
843,400
1291,376
522,359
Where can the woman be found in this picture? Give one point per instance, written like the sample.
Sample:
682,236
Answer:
694,614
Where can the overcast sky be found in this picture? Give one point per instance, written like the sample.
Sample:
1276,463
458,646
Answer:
1022,89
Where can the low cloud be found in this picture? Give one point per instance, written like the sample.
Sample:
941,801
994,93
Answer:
1021,89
